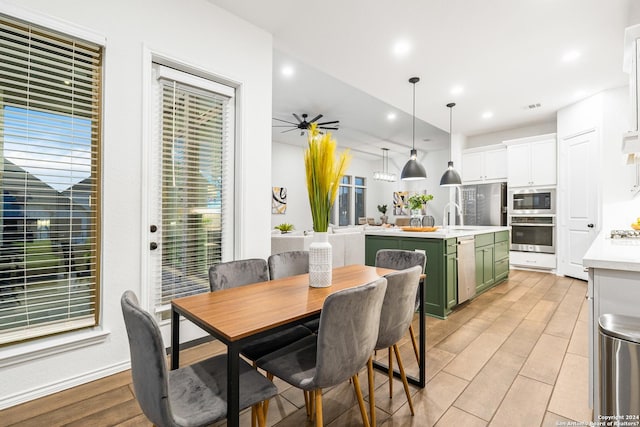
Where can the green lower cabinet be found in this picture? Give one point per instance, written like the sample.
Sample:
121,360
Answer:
452,281
438,298
485,262
375,243
442,270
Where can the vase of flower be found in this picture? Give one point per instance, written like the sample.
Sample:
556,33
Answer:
320,258
323,173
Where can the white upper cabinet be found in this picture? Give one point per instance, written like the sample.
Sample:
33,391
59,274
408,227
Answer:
532,161
486,164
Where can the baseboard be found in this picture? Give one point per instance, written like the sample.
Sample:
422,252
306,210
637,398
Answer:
47,389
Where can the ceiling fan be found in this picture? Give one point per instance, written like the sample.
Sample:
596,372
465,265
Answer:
303,124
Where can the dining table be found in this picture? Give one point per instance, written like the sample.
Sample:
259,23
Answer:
235,315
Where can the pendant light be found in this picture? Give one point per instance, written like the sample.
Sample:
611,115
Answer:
385,175
450,176
413,170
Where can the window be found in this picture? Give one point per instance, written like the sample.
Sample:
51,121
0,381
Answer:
344,201
194,159
50,100
360,191
351,200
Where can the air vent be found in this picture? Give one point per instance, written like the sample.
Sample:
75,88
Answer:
534,106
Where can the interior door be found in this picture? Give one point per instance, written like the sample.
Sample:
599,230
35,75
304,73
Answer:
580,197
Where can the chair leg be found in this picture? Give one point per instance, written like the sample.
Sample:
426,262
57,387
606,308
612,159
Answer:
404,377
372,400
307,407
318,399
266,402
390,374
363,411
414,343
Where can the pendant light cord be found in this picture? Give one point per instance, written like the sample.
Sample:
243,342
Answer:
451,105
413,137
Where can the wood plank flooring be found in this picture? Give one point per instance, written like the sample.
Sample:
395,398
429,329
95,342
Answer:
514,356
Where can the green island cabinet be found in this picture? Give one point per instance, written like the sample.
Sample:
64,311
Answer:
492,264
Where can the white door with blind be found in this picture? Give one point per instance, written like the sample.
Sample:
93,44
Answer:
579,192
190,201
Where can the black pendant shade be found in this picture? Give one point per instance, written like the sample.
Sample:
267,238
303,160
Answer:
413,170
450,176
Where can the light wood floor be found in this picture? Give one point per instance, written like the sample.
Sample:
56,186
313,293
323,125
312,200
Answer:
514,356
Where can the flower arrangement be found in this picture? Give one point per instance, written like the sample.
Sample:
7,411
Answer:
417,200
323,172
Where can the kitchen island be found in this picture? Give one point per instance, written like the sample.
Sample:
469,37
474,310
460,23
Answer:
614,287
440,246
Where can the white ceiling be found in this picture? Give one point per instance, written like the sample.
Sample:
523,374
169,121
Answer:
506,54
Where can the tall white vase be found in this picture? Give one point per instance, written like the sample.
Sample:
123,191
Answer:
320,261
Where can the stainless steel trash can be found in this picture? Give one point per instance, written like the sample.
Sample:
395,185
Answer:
619,355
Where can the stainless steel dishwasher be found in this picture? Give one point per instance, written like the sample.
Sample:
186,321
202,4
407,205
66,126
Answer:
466,268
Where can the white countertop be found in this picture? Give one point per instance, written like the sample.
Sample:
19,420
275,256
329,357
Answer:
440,233
613,254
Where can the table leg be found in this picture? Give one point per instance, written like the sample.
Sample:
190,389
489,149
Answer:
422,381
233,385
175,339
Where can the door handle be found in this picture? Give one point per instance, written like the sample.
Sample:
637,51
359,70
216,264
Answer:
590,225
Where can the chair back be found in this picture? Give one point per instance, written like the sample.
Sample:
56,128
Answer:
237,273
398,306
148,364
348,332
287,264
399,259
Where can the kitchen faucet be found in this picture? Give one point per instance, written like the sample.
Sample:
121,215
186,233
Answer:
445,216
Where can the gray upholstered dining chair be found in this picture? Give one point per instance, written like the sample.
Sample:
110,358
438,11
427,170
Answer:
243,272
292,263
193,395
287,264
237,273
397,314
399,259
348,332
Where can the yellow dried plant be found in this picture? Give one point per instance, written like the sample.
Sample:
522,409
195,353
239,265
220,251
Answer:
324,172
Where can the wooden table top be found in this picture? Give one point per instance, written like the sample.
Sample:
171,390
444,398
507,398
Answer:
240,312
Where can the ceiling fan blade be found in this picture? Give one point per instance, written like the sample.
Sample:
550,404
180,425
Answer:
324,127
289,130
284,126
315,118
329,123
297,117
280,120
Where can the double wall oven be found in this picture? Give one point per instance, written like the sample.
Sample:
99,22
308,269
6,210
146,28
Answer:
532,217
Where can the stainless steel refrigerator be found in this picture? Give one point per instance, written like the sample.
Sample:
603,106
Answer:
484,204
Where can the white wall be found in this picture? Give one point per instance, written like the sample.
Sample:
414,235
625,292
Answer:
191,31
288,171
504,135
620,207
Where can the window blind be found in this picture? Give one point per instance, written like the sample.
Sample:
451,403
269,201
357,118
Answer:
50,98
196,133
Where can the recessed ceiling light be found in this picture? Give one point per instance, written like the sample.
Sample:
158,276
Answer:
457,90
401,48
391,116
287,70
571,55
487,114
